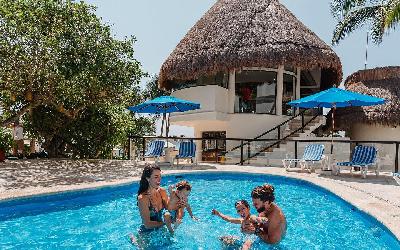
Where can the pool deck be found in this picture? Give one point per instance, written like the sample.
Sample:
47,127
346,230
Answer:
379,197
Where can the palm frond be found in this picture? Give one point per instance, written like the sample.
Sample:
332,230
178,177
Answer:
393,14
340,8
378,24
354,20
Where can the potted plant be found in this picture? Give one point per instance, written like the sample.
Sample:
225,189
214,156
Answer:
6,141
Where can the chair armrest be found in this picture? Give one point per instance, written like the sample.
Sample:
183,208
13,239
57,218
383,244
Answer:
325,161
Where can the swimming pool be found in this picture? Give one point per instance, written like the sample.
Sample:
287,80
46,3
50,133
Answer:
103,218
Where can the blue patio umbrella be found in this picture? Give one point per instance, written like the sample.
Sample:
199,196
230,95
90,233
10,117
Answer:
164,105
336,98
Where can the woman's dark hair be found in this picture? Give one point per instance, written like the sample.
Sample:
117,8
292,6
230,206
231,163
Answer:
264,193
244,202
183,185
144,184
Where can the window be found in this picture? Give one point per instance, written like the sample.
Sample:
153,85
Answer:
221,79
255,92
211,148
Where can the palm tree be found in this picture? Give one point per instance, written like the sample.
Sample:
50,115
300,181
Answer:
393,15
382,15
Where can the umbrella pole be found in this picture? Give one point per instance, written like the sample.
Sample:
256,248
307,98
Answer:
162,125
166,133
167,126
333,126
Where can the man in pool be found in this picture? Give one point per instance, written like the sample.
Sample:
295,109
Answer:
271,221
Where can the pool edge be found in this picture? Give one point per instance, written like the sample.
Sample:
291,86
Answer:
372,208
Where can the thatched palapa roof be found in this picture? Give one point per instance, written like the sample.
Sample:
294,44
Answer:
248,33
379,82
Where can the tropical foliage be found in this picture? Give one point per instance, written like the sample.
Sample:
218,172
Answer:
152,90
71,80
6,139
381,15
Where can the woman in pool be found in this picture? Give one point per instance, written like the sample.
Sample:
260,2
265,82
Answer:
246,225
152,200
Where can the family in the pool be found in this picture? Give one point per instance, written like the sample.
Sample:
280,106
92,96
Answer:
158,208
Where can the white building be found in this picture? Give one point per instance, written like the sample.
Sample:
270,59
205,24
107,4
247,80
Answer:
243,61
374,123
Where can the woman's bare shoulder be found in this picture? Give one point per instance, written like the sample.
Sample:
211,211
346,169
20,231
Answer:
142,197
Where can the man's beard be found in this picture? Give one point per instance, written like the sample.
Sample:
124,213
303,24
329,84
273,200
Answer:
261,209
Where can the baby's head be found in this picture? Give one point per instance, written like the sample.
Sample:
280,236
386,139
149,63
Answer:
243,208
183,189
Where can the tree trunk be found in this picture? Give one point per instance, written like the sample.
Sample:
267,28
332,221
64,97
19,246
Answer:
55,147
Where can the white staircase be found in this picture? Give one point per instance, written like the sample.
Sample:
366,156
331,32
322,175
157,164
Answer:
274,155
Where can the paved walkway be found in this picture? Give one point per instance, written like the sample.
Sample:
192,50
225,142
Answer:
21,178
379,197
52,173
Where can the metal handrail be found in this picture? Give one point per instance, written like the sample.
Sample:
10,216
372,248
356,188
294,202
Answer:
282,139
283,123
248,141
295,140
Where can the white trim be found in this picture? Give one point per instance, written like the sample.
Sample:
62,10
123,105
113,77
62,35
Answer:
269,70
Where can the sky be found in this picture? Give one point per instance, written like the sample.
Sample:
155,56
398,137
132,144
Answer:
159,25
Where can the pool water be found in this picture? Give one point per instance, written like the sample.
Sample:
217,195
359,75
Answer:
103,218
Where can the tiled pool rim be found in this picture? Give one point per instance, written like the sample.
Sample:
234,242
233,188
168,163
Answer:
256,171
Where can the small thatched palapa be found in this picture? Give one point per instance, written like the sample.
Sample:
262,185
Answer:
248,33
379,82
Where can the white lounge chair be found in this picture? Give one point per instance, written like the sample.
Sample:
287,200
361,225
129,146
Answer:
313,154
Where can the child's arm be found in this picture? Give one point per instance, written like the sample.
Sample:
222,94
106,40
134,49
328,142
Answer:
259,219
179,214
189,209
227,218
247,245
170,198
170,189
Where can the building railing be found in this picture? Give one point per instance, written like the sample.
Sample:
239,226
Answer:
277,130
245,152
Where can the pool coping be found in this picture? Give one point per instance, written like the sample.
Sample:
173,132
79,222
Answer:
383,211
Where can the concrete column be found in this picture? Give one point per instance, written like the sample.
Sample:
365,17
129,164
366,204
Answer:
231,92
297,92
199,150
279,90
132,150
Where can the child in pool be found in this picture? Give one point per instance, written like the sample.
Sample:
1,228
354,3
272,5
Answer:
178,201
247,225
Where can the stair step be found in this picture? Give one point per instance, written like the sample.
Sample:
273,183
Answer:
274,155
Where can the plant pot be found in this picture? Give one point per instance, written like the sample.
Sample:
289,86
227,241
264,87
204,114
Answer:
2,155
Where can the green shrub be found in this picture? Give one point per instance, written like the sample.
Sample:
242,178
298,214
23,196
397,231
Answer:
6,139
